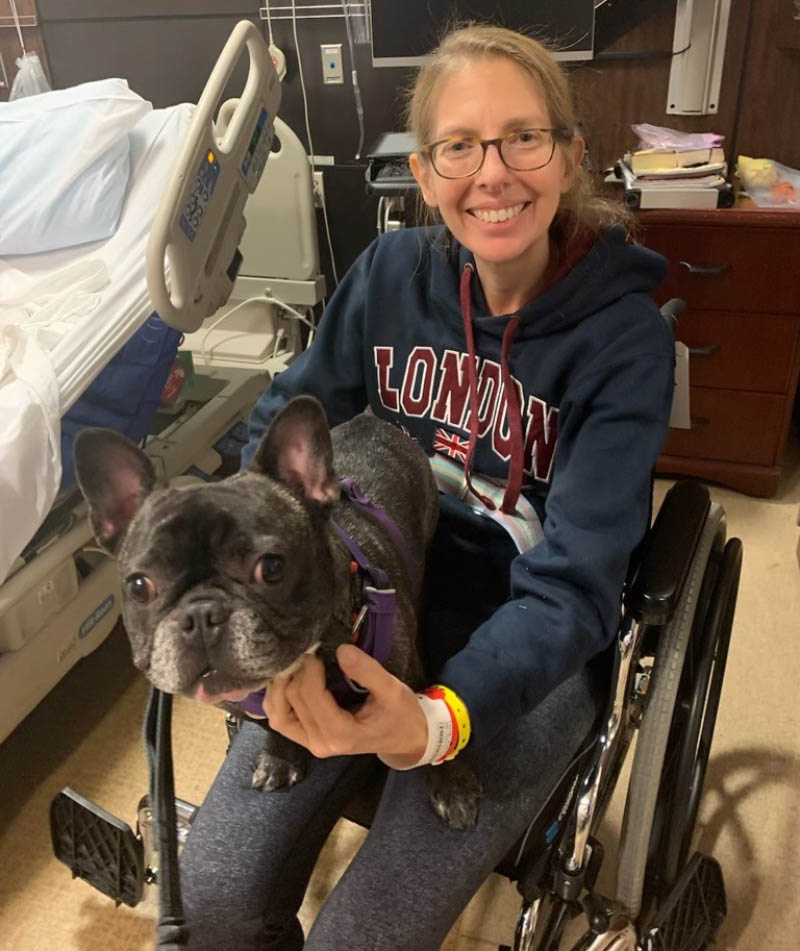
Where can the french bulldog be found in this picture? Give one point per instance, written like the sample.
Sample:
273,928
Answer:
227,584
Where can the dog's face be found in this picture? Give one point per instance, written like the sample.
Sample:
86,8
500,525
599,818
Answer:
224,584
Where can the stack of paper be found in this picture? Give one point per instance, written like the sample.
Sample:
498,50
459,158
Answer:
677,174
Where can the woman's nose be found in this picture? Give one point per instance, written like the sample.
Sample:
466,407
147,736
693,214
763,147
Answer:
493,171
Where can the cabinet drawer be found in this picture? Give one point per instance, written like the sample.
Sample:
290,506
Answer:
730,425
739,351
741,269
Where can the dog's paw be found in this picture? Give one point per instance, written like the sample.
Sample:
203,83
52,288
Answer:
455,791
273,772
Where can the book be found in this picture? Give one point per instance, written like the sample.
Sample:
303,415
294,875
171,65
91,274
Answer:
713,180
677,198
649,160
695,174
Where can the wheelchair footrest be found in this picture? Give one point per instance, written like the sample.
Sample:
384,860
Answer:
689,917
97,847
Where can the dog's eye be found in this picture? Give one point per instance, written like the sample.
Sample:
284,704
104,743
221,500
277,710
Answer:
140,588
269,568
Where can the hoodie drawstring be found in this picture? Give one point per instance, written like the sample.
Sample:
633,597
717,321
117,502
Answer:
512,405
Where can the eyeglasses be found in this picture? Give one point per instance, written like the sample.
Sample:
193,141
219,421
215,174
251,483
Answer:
522,151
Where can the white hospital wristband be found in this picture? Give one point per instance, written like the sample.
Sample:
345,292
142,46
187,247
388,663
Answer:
440,731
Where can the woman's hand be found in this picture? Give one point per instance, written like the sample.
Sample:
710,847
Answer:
390,722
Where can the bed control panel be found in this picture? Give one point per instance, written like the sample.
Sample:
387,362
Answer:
204,183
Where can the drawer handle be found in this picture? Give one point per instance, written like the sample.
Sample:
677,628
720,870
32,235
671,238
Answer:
700,422
703,351
713,271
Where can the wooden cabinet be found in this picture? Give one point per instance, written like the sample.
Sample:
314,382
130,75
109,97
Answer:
738,272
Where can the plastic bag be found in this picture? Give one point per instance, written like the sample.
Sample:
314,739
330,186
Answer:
660,137
30,79
768,183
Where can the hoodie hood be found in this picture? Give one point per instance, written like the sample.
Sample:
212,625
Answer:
610,269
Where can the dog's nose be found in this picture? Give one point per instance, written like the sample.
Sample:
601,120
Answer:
205,619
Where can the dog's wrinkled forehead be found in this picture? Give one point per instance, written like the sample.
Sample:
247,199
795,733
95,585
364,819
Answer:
201,526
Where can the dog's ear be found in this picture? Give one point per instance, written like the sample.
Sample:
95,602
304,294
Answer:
115,477
297,450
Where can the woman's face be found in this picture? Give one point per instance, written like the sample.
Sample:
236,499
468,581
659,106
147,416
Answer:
485,100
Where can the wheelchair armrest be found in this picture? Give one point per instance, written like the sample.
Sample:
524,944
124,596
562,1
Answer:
667,553
672,312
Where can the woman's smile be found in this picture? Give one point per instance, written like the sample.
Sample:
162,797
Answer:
495,214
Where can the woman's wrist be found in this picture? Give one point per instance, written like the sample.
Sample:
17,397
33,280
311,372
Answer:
448,729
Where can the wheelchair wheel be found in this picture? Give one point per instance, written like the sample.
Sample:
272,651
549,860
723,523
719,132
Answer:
675,682
693,729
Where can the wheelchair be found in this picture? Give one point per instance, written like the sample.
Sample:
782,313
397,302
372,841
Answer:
667,675
666,680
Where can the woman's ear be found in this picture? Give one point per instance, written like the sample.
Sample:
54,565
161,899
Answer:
423,173
573,156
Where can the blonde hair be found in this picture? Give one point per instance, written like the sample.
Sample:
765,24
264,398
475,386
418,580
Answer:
580,208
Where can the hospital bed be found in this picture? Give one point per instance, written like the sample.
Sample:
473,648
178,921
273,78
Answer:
172,272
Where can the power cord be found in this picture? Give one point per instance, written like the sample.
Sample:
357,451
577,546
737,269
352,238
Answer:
268,298
356,87
308,133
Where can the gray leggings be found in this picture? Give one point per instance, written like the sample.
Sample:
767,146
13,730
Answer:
250,854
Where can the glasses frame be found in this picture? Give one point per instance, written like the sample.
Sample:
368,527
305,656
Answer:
555,133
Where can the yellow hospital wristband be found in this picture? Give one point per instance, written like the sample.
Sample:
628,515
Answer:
459,715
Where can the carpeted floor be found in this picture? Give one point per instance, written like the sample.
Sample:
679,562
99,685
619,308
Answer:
87,734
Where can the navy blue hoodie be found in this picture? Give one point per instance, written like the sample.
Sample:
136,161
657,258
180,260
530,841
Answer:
592,364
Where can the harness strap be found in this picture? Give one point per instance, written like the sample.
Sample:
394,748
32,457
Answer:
350,488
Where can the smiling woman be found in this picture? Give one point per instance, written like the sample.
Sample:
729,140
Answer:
517,344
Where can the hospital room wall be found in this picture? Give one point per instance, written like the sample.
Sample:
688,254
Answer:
168,48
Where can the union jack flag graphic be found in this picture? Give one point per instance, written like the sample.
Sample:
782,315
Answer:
450,444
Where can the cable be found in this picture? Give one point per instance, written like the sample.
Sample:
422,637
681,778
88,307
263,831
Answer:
356,87
269,23
290,310
265,297
308,133
218,321
17,25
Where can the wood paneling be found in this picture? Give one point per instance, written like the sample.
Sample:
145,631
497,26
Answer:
611,95
769,123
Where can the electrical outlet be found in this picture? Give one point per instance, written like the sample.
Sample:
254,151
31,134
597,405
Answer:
332,68
319,190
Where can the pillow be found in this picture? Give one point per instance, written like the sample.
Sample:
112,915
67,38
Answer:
64,165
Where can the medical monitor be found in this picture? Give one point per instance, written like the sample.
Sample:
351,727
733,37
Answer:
404,32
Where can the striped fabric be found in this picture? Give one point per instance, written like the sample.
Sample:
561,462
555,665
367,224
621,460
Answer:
523,526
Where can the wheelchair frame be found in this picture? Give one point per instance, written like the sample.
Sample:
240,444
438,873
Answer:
668,669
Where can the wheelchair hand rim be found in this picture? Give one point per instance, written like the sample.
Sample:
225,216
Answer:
699,732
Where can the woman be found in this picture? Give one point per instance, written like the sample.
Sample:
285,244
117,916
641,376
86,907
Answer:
517,343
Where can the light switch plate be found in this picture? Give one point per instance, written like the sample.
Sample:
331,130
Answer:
332,69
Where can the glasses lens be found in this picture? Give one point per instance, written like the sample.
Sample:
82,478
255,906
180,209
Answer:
457,158
528,149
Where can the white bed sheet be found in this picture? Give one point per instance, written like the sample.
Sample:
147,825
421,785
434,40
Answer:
85,346
79,347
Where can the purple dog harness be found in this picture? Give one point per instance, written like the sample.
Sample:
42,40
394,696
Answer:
373,626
